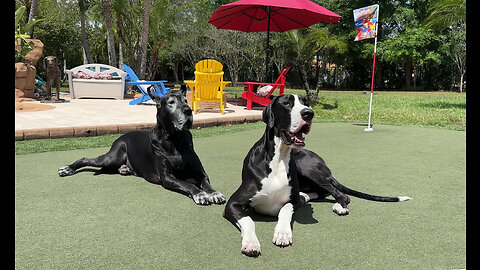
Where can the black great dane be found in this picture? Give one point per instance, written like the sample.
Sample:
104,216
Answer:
163,155
278,176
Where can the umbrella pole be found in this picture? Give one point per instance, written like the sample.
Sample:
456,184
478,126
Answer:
267,49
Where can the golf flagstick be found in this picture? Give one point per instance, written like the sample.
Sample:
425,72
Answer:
366,25
369,128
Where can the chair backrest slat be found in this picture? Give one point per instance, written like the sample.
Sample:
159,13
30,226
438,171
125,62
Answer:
209,66
131,73
280,80
209,78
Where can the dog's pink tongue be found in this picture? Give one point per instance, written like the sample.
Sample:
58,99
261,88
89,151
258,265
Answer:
298,137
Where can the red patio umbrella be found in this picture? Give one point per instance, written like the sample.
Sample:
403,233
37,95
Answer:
270,15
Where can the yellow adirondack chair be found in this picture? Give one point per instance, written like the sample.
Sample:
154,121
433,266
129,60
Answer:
208,84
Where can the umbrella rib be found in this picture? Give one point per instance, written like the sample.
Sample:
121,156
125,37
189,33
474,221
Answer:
279,14
254,18
256,8
225,16
242,11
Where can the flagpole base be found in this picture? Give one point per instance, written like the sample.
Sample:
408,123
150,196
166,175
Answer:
368,129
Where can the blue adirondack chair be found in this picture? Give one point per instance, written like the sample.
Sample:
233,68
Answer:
160,89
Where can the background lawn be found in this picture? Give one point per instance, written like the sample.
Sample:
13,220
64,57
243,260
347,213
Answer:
89,221
442,109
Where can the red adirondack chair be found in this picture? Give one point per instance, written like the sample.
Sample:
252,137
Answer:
251,97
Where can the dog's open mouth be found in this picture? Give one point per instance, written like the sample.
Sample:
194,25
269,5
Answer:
184,124
296,138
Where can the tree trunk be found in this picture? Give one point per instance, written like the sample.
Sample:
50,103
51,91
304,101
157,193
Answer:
379,82
28,5
317,73
408,72
33,14
112,57
142,56
415,75
181,73
152,67
461,82
461,69
303,74
233,75
83,36
319,82
175,71
120,54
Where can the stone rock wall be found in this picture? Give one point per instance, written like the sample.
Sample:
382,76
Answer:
35,54
25,72
24,80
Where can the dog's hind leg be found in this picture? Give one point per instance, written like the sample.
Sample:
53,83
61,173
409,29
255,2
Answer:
317,177
320,184
341,199
112,160
103,161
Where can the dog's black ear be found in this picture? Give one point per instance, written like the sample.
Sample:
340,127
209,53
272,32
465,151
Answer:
154,97
268,115
183,90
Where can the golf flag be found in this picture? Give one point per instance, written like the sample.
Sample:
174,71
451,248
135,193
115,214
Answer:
366,21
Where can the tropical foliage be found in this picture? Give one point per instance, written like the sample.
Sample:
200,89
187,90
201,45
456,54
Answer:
421,43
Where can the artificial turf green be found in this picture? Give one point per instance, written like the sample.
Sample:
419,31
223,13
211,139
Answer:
89,221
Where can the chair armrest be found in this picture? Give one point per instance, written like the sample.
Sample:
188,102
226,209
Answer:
260,83
224,83
190,83
147,82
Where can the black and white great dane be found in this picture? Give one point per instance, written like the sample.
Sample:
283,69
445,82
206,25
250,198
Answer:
163,155
278,176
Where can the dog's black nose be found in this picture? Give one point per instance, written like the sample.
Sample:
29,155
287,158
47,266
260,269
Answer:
187,110
307,114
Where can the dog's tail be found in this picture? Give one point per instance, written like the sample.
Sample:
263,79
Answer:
366,196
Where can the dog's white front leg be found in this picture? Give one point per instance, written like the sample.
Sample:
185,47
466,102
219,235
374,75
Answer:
250,243
283,230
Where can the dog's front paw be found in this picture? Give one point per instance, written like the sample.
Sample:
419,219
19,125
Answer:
283,237
251,246
65,171
201,198
340,210
217,198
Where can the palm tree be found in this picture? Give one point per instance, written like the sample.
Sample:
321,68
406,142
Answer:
446,13
142,56
324,46
299,47
33,14
83,21
119,8
451,14
112,58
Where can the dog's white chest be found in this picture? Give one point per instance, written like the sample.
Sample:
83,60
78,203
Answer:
275,191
